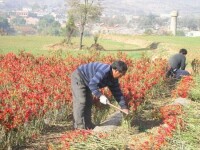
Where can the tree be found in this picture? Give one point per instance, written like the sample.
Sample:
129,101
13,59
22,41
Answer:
4,26
48,26
147,22
18,21
84,11
192,23
36,7
70,27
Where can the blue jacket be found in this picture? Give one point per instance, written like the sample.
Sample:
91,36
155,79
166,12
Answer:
98,75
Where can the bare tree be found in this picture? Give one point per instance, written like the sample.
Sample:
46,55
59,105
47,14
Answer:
83,12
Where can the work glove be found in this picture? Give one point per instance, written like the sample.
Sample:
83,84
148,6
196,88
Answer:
104,100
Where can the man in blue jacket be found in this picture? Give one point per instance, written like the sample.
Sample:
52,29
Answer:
86,81
177,65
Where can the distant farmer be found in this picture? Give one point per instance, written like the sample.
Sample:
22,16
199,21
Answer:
177,64
86,81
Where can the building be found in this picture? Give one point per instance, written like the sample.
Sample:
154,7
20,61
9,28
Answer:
31,21
193,34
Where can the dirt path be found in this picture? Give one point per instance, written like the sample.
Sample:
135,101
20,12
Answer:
162,50
139,42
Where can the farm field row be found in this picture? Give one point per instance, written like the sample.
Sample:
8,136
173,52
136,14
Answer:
35,86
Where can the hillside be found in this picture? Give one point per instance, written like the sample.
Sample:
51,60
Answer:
185,7
132,7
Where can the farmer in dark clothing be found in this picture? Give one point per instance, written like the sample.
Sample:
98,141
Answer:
177,65
86,82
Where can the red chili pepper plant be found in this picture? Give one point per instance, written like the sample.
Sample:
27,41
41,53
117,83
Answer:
33,89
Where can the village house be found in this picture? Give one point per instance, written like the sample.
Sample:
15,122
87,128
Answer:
31,21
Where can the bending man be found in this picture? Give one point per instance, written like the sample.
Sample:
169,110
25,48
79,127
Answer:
177,65
86,81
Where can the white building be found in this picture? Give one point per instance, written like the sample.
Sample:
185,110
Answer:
193,34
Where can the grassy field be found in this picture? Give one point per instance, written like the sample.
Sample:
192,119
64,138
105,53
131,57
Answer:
134,46
32,44
190,43
166,45
178,41
39,45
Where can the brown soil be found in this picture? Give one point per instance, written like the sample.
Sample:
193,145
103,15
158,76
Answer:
96,47
61,46
140,43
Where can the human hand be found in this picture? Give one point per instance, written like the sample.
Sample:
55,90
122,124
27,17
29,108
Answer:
126,111
104,100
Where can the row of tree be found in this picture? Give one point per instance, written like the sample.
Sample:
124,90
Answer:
46,25
80,12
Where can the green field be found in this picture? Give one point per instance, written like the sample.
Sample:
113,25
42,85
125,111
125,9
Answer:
178,41
190,43
167,45
27,43
39,45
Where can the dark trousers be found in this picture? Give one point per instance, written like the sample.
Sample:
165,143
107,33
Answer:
82,102
171,73
179,73
176,73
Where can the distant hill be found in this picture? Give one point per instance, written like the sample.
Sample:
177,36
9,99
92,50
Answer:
132,7
185,7
13,4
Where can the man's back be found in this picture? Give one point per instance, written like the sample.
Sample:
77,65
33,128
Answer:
177,61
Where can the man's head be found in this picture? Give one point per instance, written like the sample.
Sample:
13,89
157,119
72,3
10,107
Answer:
119,69
183,51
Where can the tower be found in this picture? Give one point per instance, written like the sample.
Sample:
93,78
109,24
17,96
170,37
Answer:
173,26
